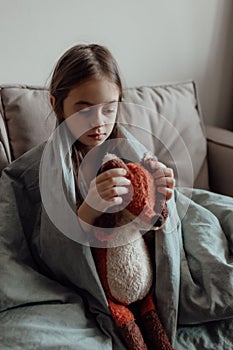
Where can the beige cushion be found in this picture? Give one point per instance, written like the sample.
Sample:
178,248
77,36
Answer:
5,157
171,126
28,117
173,116
220,160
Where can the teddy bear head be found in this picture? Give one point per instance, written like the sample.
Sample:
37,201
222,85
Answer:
141,200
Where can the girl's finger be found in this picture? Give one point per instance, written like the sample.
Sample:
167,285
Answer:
155,165
116,200
165,172
114,192
167,192
109,174
112,182
166,181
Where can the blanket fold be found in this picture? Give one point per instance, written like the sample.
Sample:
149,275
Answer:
41,265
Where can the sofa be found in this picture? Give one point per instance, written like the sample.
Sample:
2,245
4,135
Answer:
38,311
26,120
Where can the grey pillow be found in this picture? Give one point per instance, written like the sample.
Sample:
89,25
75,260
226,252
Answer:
167,120
28,117
5,157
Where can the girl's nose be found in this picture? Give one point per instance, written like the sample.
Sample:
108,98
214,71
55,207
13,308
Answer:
97,116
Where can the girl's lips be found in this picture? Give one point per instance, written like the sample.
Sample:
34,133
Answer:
97,136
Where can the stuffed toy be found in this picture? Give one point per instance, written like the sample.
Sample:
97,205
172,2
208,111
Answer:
124,264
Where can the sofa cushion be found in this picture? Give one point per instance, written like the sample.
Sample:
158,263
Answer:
171,127
5,157
28,117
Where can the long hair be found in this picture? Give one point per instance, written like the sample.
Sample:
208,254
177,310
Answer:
77,65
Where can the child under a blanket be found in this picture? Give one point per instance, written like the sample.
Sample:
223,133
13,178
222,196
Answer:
86,83
86,80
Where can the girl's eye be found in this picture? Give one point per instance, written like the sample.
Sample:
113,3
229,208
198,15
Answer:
110,109
107,110
85,111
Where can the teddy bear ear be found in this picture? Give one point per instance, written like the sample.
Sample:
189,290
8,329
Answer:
147,158
109,156
111,161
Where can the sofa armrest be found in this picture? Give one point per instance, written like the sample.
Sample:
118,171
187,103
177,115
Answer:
220,159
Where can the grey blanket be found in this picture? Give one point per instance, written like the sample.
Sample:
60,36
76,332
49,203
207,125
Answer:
50,293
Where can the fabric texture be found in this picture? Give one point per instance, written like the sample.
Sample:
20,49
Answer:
165,118
220,153
5,157
168,121
43,271
28,116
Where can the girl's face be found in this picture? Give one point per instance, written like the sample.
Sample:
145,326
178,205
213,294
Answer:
90,111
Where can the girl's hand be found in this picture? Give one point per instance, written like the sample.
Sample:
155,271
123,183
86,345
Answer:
164,176
105,191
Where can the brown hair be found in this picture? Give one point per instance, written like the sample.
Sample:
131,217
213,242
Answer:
77,65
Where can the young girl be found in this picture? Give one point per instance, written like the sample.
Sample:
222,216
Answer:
54,193
85,91
86,80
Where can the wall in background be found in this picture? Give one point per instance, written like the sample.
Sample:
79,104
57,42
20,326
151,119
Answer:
153,41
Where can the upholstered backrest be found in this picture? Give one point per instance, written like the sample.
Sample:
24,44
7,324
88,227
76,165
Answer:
170,112
171,126
27,116
5,157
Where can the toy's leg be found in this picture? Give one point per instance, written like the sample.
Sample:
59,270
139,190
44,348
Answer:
153,331
127,326
123,317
